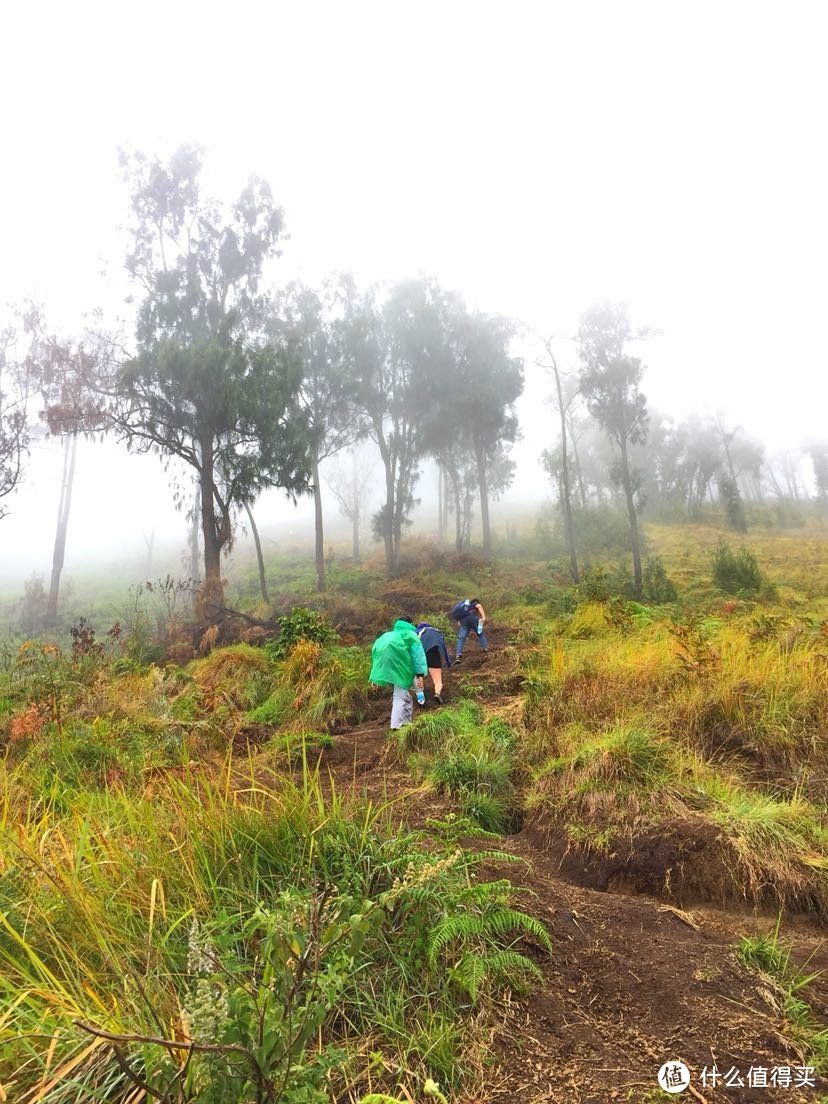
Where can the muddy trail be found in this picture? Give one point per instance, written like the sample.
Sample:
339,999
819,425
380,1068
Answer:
633,981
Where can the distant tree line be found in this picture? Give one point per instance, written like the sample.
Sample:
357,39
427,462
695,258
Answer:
250,388
612,450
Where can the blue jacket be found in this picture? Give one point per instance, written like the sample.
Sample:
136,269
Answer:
433,638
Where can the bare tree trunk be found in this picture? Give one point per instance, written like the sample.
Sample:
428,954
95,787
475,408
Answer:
446,504
355,536
567,506
579,475
213,587
150,543
482,477
441,533
356,515
388,510
458,515
259,556
70,451
468,499
775,483
635,540
194,549
319,547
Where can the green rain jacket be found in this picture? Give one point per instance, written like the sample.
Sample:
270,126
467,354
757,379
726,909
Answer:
397,656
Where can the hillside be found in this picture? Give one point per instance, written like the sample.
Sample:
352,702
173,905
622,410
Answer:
221,878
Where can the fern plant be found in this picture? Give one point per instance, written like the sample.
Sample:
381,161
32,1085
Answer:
480,936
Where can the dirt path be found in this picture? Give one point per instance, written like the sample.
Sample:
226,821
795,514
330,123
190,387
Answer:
630,985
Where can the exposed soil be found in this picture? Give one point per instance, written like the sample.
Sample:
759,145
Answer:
632,982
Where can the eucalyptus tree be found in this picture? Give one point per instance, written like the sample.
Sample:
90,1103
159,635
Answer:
350,484
311,323
610,384
206,384
468,398
487,382
65,373
395,343
564,468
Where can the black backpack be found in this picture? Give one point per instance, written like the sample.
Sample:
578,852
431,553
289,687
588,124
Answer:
461,609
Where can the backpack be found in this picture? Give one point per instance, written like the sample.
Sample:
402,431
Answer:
460,609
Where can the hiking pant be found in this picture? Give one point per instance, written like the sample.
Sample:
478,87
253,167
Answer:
469,625
402,707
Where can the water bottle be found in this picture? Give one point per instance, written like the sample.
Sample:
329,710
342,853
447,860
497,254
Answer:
479,628
420,696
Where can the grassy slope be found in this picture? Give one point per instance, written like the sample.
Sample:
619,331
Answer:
697,725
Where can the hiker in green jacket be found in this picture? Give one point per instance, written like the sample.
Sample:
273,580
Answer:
398,660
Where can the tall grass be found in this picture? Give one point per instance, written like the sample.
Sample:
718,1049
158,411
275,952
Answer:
220,943
468,758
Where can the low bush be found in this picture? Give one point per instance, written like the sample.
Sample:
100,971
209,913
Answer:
736,572
300,624
656,586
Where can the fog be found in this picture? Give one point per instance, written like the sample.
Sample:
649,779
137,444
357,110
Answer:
536,158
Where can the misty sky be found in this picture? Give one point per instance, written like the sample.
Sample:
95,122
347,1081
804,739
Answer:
536,156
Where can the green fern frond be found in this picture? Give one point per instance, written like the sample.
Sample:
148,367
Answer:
505,965
470,973
485,891
504,920
473,858
454,927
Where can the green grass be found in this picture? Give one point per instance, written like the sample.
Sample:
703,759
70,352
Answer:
293,933
773,959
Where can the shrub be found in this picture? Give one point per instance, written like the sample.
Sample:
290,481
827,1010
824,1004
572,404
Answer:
500,733
594,585
736,572
657,587
300,624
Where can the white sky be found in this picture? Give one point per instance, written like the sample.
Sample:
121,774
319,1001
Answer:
537,156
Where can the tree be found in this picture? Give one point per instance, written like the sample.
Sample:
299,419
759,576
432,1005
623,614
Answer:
350,484
551,364
732,502
610,380
392,348
818,452
307,319
15,390
486,384
205,385
259,556
467,396
456,461
65,373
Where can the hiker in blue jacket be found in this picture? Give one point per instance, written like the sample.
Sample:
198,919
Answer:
470,617
434,644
